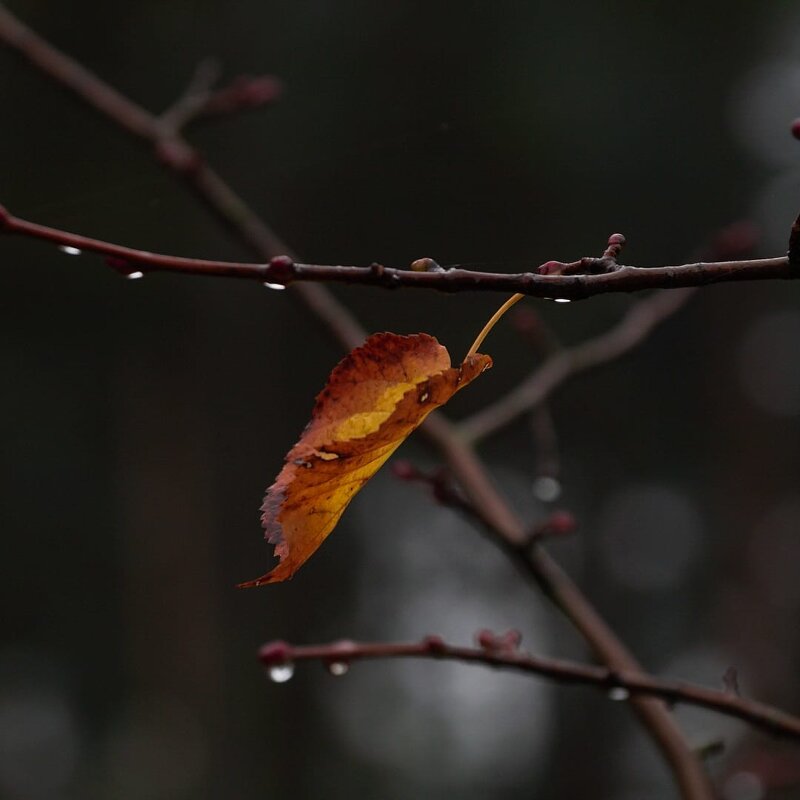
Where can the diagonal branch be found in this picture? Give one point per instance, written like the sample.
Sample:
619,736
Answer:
509,532
179,156
630,331
501,653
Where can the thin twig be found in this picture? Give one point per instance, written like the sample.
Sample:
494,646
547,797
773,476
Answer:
200,100
284,271
177,155
194,98
509,531
634,327
502,656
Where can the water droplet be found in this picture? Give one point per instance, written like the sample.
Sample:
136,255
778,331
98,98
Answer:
338,668
69,250
280,673
618,693
546,488
276,286
134,276
562,300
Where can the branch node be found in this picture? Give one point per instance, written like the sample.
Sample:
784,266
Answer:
434,645
551,268
281,269
178,156
378,270
496,644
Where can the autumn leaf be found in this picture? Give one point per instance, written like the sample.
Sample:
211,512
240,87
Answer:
376,396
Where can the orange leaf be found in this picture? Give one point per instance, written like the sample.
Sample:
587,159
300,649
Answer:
376,396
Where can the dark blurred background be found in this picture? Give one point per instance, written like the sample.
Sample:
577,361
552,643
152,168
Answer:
141,421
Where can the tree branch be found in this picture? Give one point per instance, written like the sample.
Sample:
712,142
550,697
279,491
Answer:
501,653
177,155
632,329
282,270
509,532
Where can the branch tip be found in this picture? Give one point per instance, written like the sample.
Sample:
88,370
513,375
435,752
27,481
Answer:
615,244
244,92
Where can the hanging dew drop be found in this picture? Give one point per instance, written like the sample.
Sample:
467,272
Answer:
618,693
278,287
280,673
69,250
546,488
134,276
338,668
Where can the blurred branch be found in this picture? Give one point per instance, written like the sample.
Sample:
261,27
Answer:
180,157
502,652
631,330
177,155
509,532
201,100
734,241
282,270
557,523
194,98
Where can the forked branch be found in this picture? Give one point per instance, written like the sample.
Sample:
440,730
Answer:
178,155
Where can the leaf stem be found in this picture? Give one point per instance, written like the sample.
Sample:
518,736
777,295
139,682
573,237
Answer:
515,298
